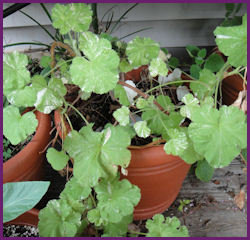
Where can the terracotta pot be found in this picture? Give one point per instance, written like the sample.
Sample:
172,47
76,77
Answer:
135,74
231,86
27,165
159,176
29,218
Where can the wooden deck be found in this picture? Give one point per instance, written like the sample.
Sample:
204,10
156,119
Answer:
212,211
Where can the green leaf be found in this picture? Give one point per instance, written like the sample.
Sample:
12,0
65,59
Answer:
58,160
94,216
99,75
49,96
214,63
25,97
124,66
45,61
120,93
17,128
174,62
58,219
141,129
95,154
169,227
15,74
192,50
244,154
199,60
76,17
75,190
177,143
116,199
142,103
232,42
122,115
202,53
158,67
19,197
204,171
190,103
218,135
141,51
195,71
119,229
201,91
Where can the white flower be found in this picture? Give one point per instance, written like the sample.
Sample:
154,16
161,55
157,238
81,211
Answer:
181,91
131,94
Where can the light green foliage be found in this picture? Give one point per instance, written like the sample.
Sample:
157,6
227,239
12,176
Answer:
122,115
17,128
15,74
45,61
121,94
169,227
116,199
95,154
204,171
214,63
183,203
177,143
58,219
6,150
142,129
191,103
232,42
75,190
57,159
141,51
158,67
119,229
218,135
124,66
19,197
142,103
202,91
49,95
75,16
99,73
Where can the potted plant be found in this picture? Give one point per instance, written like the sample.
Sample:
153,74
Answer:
99,196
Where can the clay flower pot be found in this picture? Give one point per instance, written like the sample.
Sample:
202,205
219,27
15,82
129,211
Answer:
158,175
29,218
27,165
135,74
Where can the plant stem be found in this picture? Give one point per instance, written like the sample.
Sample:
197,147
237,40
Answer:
83,118
93,200
138,233
68,120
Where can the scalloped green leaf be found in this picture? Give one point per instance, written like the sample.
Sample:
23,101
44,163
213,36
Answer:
95,154
17,128
214,63
49,96
15,74
58,219
218,135
57,159
25,97
201,91
76,17
158,67
204,171
122,115
19,197
99,75
124,66
190,103
121,94
119,229
232,42
141,51
75,190
177,143
142,129
116,199
94,216
169,227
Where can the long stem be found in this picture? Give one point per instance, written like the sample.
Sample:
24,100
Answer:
93,200
83,118
138,233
